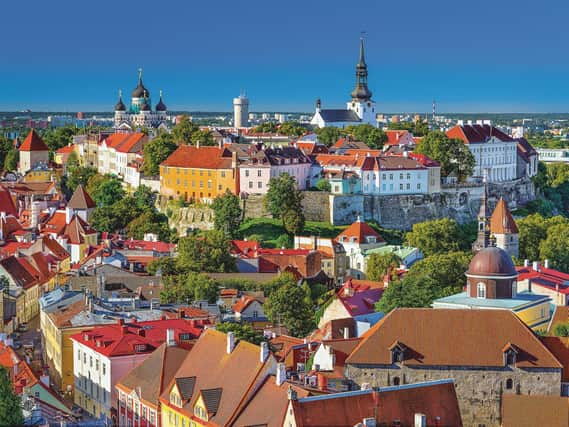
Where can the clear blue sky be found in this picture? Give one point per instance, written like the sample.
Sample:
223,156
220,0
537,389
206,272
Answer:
471,56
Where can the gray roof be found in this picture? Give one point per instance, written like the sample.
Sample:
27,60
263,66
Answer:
186,386
339,116
211,399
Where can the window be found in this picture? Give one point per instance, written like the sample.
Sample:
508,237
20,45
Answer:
79,355
418,186
408,186
400,176
259,173
104,369
391,176
396,381
401,186
408,176
509,384
481,290
250,184
259,184
383,176
246,172
223,174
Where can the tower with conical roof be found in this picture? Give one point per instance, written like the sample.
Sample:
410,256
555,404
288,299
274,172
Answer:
483,239
361,102
504,229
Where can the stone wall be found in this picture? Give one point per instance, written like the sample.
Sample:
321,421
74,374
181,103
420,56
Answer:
479,390
315,206
191,218
460,202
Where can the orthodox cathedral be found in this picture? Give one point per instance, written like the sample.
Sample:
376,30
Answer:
361,108
140,113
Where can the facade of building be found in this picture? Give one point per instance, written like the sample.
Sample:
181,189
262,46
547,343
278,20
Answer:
361,108
488,354
140,113
117,151
494,151
199,173
103,355
543,280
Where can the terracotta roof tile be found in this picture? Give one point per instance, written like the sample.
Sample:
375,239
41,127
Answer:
187,156
81,199
502,221
559,347
530,411
33,142
359,231
452,337
244,302
6,202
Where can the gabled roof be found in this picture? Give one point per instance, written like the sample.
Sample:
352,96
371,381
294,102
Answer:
81,199
502,221
188,156
477,134
244,302
21,271
347,143
186,386
332,116
359,230
33,142
125,142
559,347
214,369
452,337
211,398
77,229
6,202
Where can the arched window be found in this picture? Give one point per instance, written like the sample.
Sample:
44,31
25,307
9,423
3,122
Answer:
481,290
396,381
509,384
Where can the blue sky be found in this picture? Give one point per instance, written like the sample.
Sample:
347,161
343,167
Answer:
475,56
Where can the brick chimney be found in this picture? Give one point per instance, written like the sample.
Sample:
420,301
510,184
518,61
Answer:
170,339
230,342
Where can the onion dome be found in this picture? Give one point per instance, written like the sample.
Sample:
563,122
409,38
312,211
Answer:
492,262
161,106
119,106
361,91
145,106
140,90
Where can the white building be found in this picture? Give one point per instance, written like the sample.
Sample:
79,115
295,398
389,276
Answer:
494,151
359,110
140,113
241,111
118,154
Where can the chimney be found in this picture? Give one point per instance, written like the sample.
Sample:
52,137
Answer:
526,262
346,333
264,353
170,340
535,265
546,263
281,374
230,342
420,420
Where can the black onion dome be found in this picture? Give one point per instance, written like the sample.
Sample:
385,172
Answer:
140,91
145,107
119,106
161,106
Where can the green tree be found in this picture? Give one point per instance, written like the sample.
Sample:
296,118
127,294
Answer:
284,241
440,235
288,306
104,218
556,246
372,136
5,147
190,287
156,151
150,221
294,129
417,128
108,191
183,131
208,252
445,269
72,160
329,135
324,185
242,331
533,231
10,403
561,330
453,155
11,160
284,201
59,137
267,127
78,175
379,265
165,266
203,137
144,198
227,214
412,291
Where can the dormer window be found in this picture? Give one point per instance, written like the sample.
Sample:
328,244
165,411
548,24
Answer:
510,355
371,239
397,352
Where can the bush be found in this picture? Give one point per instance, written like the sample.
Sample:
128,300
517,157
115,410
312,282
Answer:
284,241
324,185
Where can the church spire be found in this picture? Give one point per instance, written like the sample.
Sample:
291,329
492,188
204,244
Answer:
484,239
361,93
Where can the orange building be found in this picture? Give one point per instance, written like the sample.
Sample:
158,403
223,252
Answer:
199,173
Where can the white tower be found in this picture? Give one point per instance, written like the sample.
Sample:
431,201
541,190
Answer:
241,111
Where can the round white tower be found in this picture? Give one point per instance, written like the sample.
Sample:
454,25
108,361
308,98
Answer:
241,111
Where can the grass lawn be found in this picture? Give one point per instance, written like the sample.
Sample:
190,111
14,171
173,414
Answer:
268,230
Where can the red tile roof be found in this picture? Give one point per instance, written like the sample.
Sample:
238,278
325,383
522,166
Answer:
521,410
123,339
434,399
244,302
56,224
246,248
77,229
452,337
21,271
161,247
126,142
360,298
282,345
33,142
546,277
359,230
559,347
6,202
187,156
477,134
393,136
66,150
502,221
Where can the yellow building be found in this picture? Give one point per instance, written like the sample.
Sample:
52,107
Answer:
40,175
199,173
492,284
